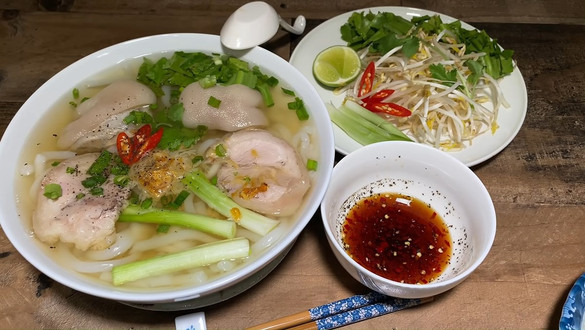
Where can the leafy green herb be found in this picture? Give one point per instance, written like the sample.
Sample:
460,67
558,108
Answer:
99,166
384,31
138,118
184,68
70,170
176,137
439,72
55,163
53,191
97,191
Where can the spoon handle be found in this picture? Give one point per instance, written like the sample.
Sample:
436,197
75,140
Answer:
298,26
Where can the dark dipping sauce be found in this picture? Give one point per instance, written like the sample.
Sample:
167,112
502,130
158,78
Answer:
397,237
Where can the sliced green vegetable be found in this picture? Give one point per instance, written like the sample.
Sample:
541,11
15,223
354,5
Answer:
216,199
201,255
362,125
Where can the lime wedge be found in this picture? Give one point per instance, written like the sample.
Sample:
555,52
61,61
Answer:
336,66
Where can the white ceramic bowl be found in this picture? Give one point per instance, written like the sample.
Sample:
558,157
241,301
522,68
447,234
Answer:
427,174
33,110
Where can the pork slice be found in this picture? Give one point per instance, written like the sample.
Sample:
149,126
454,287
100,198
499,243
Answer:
238,108
264,173
87,222
100,116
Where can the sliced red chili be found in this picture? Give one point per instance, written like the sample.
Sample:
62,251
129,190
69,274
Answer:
379,95
367,80
125,148
388,108
142,135
132,149
147,145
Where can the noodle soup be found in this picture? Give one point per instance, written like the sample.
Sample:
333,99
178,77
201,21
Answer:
133,241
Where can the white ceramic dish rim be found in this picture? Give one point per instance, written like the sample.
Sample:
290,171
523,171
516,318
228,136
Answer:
484,146
396,147
63,83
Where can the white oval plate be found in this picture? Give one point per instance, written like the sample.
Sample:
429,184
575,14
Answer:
483,147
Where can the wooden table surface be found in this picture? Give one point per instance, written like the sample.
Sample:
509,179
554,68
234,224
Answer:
537,182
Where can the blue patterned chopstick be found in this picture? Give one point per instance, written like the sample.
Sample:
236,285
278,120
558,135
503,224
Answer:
366,312
346,304
341,312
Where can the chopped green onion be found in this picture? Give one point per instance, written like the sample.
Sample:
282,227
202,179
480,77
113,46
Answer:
55,163
79,196
75,93
146,203
272,81
53,191
220,150
122,180
213,102
181,197
70,170
264,90
288,91
208,81
161,229
299,107
312,165
197,159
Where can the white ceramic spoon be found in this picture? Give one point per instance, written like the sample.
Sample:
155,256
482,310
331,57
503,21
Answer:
255,23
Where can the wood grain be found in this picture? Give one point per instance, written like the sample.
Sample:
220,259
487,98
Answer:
536,183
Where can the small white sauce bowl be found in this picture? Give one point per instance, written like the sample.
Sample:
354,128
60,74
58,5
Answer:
425,173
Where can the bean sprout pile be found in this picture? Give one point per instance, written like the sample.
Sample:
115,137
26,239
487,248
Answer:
445,114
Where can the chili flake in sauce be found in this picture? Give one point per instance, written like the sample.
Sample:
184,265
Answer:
397,237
